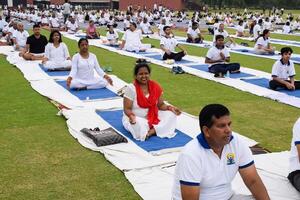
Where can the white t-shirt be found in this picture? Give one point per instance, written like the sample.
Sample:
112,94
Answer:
294,156
57,54
218,32
169,43
145,27
240,29
214,53
198,165
193,33
268,25
83,69
261,41
3,23
72,27
283,71
21,37
286,29
161,29
66,8
256,31
112,36
54,22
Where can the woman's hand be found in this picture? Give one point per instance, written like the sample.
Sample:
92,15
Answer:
69,81
109,80
174,109
132,118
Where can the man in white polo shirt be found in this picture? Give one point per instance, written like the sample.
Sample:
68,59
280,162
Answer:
283,72
294,175
193,34
208,164
218,57
146,27
168,44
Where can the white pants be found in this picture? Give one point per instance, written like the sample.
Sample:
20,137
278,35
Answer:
164,129
261,52
136,48
96,84
55,65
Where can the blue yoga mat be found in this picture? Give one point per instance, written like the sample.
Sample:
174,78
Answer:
54,73
250,51
204,67
295,59
80,36
90,94
114,118
285,41
263,82
158,57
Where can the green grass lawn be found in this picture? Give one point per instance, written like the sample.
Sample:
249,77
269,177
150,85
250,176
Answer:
40,159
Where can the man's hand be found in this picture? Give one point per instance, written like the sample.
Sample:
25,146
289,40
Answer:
222,56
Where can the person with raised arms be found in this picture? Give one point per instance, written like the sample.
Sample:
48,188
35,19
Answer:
82,71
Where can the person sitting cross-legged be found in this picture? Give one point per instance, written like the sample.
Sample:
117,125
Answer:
145,113
208,164
262,45
57,55
193,34
168,45
283,72
82,72
35,45
218,57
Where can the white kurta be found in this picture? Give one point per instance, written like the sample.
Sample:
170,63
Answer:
57,56
164,129
82,72
133,41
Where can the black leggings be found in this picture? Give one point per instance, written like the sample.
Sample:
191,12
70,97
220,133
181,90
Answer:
223,68
274,85
176,56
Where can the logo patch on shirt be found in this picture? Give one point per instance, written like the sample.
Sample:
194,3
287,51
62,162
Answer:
230,158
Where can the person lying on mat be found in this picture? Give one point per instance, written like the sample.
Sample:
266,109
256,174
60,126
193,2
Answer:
208,164
145,113
262,45
91,31
193,34
168,44
131,40
294,165
222,31
57,55
283,72
19,38
218,57
112,36
35,45
82,71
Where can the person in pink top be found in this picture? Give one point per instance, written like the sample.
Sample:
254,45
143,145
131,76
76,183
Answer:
91,31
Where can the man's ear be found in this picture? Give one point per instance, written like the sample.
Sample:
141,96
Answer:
205,131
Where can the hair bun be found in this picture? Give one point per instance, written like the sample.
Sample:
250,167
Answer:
140,61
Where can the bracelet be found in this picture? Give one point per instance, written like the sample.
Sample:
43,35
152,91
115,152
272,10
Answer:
170,107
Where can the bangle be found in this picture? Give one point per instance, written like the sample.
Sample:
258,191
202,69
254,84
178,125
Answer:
169,107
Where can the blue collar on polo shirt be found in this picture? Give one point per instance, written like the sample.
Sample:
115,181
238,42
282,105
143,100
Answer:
201,139
281,60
